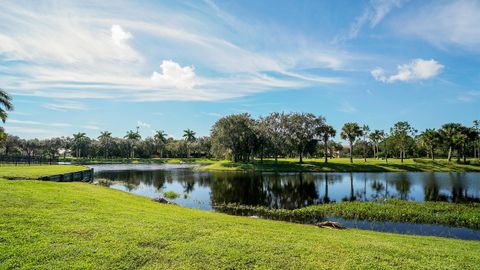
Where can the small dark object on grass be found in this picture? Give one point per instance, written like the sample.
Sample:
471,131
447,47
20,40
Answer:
330,225
163,200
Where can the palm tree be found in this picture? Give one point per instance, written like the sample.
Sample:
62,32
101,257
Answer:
160,140
450,136
376,137
105,138
366,131
430,139
78,141
132,137
326,132
5,105
476,126
189,136
350,132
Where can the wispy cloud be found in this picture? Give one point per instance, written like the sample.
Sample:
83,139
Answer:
100,55
453,23
37,123
65,106
143,124
346,107
373,14
418,69
469,96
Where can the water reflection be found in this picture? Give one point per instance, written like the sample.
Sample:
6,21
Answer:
290,190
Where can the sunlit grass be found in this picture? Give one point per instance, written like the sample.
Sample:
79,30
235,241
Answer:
344,165
50,225
36,171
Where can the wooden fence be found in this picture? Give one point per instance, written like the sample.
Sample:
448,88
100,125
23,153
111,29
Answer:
83,176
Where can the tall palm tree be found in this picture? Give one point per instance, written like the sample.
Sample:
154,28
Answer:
78,140
430,139
189,136
366,132
105,138
132,137
325,132
160,138
351,131
5,105
450,135
376,137
476,126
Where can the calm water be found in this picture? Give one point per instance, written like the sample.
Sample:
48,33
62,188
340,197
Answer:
200,189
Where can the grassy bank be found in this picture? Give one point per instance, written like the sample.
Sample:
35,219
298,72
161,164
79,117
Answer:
78,225
36,171
344,165
138,160
461,215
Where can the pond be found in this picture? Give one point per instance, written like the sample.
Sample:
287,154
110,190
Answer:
199,189
202,189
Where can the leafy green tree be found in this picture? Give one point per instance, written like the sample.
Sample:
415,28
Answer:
105,139
189,136
232,136
301,130
275,129
350,132
402,132
132,138
160,138
376,137
430,139
325,132
450,134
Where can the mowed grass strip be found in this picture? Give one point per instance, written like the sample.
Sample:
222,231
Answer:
344,165
36,171
48,225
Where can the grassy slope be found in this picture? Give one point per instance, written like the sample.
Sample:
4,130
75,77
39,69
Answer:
462,215
343,165
78,225
36,171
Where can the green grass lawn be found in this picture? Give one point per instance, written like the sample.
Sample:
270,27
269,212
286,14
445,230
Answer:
48,225
138,160
344,165
36,171
461,215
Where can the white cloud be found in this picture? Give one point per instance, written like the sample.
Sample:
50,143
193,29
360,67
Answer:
73,50
120,36
92,127
469,96
27,122
143,124
373,15
443,24
418,69
173,75
346,107
65,106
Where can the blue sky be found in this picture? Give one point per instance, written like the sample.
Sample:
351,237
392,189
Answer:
171,65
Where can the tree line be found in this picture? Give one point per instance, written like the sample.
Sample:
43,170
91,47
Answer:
241,138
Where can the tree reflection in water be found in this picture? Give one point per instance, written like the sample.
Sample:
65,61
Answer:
294,190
